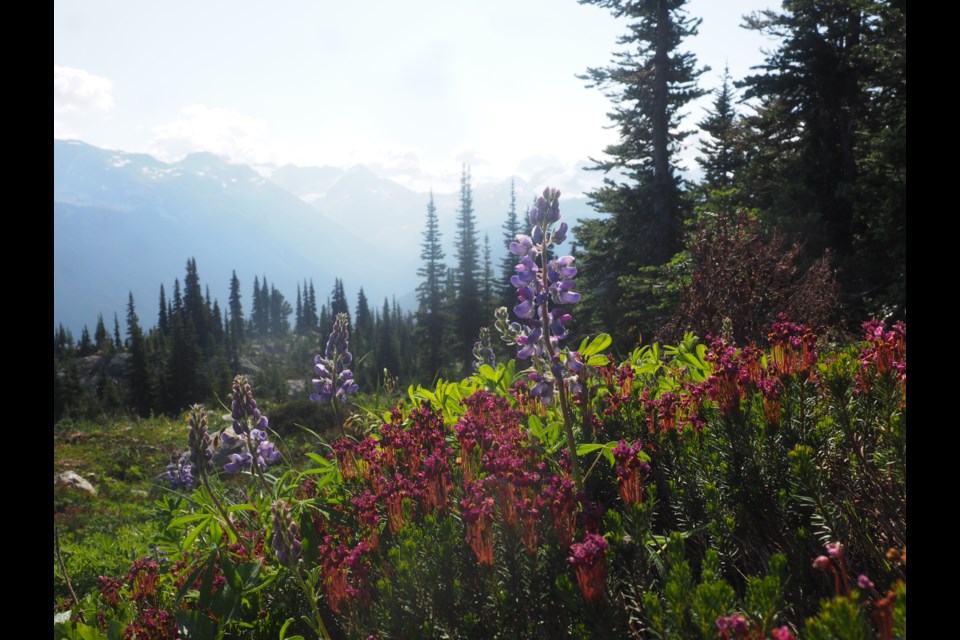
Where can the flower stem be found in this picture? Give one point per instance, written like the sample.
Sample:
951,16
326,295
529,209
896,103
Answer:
319,627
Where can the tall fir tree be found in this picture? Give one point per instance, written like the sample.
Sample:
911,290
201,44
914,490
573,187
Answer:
100,336
280,311
649,83
431,316
85,347
363,343
387,358
256,314
265,306
723,154
338,299
467,319
236,312
311,318
298,314
163,322
138,380
511,227
117,340
829,157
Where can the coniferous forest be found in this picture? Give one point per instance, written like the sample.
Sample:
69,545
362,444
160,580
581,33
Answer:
691,425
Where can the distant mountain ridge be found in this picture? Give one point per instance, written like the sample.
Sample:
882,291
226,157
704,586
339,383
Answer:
127,222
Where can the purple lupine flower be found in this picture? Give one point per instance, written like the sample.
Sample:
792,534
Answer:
179,473
864,583
483,350
201,453
239,462
286,535
249,431
544,293
333,378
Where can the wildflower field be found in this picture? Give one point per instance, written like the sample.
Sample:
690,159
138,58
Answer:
700,490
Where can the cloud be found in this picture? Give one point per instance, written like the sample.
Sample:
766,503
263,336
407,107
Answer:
220,131
78,91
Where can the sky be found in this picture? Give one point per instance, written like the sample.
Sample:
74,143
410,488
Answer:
410,89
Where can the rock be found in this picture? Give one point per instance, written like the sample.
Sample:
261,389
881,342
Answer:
76,481
221,455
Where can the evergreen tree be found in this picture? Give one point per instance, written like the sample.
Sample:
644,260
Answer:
431,318
236,312
649,84
387,343
310,317
195,307
177,298
163,322
723,156
280,311
486,281
511,227
338,299
363,343
258,319
298,317
468,304
85,347
138,380
830,137
117,341
63,343
101,337
265,307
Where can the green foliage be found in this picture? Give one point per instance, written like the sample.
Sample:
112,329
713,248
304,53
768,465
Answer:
741,488
839,618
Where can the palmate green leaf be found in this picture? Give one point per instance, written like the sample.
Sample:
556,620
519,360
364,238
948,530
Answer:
76,631
193,517
595,346
320,460
597,360
606,450
196,531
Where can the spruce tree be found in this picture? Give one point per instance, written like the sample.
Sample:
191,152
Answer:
298,314
163,321
387,343
311,318
829,156
117,341
722,150
431,318
138,380
280,311
100,336
85,348
511,227
338,299
649,83
236,312
468,304
363,343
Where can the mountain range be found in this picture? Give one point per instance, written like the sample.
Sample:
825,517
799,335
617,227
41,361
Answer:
127,223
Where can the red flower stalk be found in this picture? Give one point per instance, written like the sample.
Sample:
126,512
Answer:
631,472
588,559
477,513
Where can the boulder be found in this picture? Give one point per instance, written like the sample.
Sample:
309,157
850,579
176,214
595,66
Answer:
76,481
